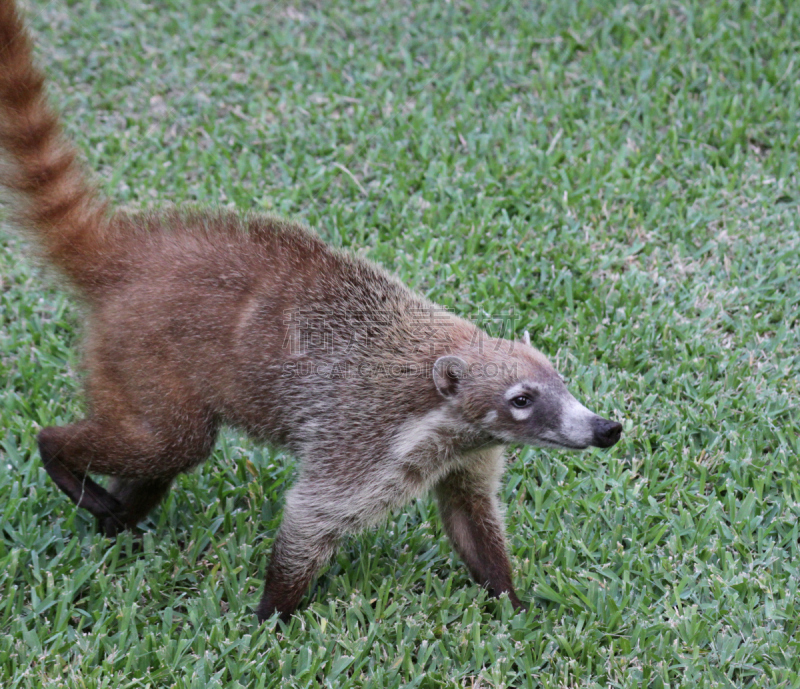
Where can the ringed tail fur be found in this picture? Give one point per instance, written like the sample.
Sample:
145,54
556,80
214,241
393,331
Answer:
50,197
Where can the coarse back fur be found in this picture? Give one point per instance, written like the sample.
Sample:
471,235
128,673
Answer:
197,319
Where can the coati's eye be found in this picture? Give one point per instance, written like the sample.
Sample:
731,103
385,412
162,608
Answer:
521,402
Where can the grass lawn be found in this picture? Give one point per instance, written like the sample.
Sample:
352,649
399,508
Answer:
623,179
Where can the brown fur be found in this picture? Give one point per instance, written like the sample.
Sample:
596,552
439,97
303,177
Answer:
199,319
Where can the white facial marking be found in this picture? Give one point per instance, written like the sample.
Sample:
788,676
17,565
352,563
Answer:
521,414
516,391
490,417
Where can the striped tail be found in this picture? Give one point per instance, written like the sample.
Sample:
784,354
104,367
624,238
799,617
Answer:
47,191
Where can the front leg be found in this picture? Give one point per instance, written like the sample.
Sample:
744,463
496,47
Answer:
316,516
473,521
321,508
307,539
292,567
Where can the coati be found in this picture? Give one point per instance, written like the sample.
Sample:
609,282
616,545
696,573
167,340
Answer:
198,319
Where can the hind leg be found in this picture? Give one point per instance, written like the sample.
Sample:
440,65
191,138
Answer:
59,448
137,498
144,462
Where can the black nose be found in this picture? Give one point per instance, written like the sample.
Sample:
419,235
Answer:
606,433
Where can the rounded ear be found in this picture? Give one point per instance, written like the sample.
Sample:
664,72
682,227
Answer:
447,374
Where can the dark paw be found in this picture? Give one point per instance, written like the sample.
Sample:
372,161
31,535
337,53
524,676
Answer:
519,606
516,603
110,526
113,525
267,609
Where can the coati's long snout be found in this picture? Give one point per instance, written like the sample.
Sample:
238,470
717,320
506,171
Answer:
199,319
578,428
